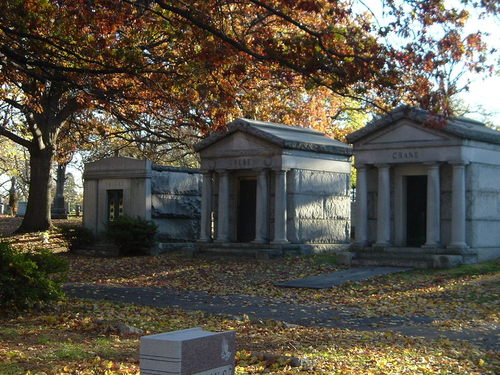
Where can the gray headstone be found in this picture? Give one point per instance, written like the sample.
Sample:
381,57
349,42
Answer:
21,208
188,352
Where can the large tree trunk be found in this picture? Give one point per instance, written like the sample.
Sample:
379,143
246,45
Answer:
37,217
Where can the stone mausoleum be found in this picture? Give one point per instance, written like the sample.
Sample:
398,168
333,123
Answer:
273,188
120,186
427,196
428,192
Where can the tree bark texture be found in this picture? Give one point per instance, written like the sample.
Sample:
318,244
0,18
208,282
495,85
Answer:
37,217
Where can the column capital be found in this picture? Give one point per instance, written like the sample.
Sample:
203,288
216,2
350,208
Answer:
383,165
280,170
206,171
222,171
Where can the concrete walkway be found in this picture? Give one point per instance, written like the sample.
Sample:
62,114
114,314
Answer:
328,280
265,308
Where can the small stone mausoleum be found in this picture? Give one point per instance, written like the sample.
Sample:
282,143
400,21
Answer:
121,186
426,195
274,187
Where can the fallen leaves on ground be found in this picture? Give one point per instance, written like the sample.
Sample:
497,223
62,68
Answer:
71,338
54,240
465,297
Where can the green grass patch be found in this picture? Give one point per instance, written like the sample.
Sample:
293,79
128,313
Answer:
8,368
68,352
325,258
77,343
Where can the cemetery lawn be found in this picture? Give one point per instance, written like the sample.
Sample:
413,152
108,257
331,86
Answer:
79,337
467,296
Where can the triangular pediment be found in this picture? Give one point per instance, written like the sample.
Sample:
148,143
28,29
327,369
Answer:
239,143
405,132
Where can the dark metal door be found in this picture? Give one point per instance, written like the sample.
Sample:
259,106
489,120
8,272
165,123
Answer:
247,199
115,204
416,210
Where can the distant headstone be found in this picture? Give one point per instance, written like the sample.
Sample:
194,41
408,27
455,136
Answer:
188,352
21,208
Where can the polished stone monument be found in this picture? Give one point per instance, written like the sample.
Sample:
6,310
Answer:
188,352
274,186
428,191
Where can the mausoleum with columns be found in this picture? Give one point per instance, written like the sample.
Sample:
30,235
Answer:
427,192
272,187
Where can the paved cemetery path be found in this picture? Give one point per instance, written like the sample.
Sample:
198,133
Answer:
328,280
266,308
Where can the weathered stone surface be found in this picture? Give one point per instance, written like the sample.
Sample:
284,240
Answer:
446,261
177,229
308,206
175,206
317,182
338,208
168,182
188,352
486,177
486,206
324,231
485,233
344,257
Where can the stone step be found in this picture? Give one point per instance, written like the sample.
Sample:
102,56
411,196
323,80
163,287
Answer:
392,255
407,259
249,245
420,264
242,251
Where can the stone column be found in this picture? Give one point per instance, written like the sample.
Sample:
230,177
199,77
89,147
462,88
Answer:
261,217
433,228
361,206
399,210
458,206
383,206
223,211
280,208
206,207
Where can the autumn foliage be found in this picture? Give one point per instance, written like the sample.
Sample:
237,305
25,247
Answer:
167,72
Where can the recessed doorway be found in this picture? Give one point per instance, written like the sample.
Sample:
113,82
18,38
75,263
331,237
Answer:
416,210
247,200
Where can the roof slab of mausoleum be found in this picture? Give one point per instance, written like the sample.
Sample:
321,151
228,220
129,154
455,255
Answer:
409,135
272,137
407,124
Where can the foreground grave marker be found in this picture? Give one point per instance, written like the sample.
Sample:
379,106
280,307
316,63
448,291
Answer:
188,352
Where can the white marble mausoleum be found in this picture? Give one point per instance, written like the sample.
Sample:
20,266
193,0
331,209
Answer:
428,193
274,186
